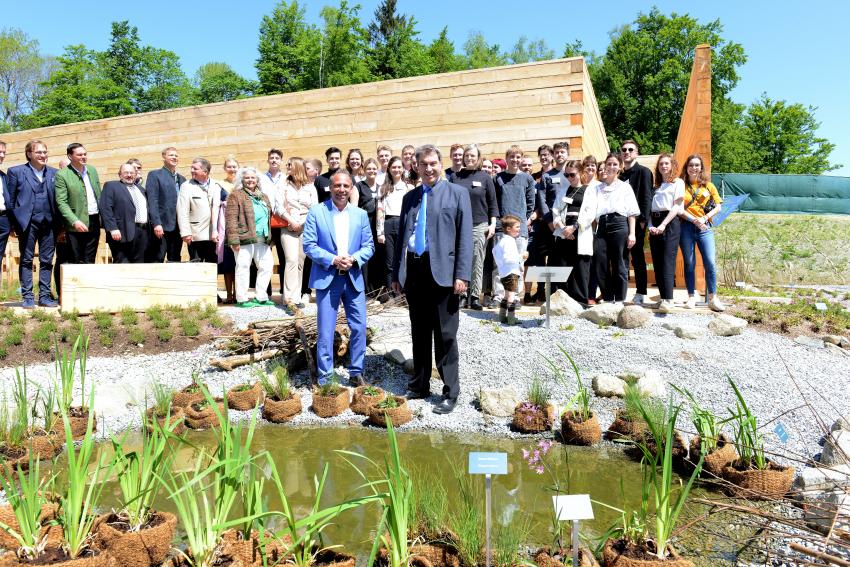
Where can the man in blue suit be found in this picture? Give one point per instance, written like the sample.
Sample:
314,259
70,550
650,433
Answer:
433,269
338,239
32,210
162,188
5,227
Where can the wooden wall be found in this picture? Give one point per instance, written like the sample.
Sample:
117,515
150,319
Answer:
527,104
695,127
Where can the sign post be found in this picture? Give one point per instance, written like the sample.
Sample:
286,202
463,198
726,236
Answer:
488,464
573,507
547,275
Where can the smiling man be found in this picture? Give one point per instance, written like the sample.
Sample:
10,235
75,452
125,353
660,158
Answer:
31,207
162,188
338,239
433,269
77,194
198,206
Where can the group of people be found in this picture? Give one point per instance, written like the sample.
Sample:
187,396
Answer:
446,238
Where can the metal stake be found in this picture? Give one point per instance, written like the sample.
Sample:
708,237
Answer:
548,297
487,484
575,543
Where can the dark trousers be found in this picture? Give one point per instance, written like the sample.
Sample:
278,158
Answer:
638,258
434,311
203,251
374,271
561,253
5,230
305,276
40,232
83,245
132,251
489,266
576,285
392,247
664,248
169,246
281,258
60,256
609,258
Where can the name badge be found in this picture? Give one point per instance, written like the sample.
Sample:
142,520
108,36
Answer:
568,200
556,180
476,184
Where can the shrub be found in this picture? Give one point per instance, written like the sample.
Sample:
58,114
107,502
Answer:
15,336
161,324
70,315
3,352
136,335
538,393
128,317
190,327
107,337
102,319
165,335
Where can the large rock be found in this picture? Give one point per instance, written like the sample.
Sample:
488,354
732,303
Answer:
398,353
633,317
816,479
687,332
115,400
651,384
607,386
727,325
828,509
500,402
836,449
810,342
832,339
562,304
606,313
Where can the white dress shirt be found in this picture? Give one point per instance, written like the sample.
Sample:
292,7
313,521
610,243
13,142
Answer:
341,225
140,203
616,198
2,200
392,202
665,196
91,200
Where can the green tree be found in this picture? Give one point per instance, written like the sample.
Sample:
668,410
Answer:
784,138
218,82
394,50
343,47
288,51
478,53
642,79
22,70
441,53
78,90
731,145
525,51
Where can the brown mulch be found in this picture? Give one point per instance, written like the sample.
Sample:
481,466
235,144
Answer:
26,354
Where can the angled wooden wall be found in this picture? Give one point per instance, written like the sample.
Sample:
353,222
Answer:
695,127
527,104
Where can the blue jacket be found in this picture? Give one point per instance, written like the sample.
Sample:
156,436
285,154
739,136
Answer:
449,223
319,240
20,193
162,198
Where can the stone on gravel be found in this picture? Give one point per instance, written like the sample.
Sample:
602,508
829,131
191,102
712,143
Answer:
607,386
562,304
823,508
114,400
633,317
836,449
606,313
499,402
669,325
398,353
727,325
814,479
687,332
837,350
810,342
377,347
651,384
832,339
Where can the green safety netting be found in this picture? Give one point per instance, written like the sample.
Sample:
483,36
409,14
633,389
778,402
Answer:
803,194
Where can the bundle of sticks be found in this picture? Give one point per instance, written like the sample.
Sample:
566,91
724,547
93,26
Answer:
293,338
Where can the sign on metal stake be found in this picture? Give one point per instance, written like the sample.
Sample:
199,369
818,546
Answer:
572,508
488,464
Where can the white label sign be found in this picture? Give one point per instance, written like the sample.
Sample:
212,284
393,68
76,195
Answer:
573,507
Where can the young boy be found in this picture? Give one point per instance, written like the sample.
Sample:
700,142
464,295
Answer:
509,263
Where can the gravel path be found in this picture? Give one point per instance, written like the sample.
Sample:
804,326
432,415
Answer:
494,356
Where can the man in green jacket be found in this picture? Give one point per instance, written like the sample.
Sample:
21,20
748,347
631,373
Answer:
77,195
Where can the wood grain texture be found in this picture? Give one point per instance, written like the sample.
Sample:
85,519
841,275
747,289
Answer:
139,286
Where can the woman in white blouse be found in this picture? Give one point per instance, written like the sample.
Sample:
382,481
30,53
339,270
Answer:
616,209
392,191
292,205
668,194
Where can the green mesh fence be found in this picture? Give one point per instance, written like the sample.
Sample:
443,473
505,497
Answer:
791,194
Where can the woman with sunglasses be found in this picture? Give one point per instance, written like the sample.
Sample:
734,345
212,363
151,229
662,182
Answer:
573,219
667,194
701,203
616,210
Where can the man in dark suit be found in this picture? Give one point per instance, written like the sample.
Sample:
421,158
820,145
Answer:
433,269
77,193
5,227
31,207
338,239
124,211
163,186
640,178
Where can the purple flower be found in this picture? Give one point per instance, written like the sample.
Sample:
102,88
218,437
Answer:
539,469
525,453
545,445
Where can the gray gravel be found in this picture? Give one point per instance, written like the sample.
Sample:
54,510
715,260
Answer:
494,356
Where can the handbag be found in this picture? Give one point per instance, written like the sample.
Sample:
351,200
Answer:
278,222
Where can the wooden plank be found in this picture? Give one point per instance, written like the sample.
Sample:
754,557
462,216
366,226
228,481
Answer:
113,286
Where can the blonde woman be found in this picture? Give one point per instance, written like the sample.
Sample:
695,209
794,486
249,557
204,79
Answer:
226,259
292,205
668,194
393,189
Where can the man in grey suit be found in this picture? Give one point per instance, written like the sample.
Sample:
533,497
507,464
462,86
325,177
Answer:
433,268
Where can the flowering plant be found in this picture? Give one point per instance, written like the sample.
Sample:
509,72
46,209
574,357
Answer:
540,459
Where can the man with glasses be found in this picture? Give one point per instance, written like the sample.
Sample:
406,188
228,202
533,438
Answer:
640,178
32,209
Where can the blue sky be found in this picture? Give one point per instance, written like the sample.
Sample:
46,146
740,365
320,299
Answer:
791,45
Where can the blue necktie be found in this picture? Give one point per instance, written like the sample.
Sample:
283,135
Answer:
421,219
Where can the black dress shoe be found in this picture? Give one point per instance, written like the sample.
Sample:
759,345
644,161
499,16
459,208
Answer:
446,406
355,381
414,395
474,304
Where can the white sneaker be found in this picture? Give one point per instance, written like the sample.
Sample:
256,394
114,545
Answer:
618,303
305,299
716,305
638,299
666,306
692,302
